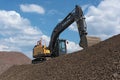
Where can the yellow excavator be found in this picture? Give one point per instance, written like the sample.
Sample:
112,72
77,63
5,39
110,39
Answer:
58,46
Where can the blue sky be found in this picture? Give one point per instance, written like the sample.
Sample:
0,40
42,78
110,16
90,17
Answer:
23,22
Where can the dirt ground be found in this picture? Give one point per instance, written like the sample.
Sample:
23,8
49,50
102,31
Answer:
8,59
98,62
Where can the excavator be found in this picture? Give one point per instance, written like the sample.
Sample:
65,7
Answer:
58,46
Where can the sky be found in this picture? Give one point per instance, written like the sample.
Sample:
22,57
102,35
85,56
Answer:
24,22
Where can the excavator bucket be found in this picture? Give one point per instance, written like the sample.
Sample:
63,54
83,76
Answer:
83,42
88,41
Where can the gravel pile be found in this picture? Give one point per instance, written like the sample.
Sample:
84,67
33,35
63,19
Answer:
98,62
8,59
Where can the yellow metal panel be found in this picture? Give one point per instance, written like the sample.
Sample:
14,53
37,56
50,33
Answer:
38,50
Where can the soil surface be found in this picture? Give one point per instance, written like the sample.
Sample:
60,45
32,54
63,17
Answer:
98,62
8,59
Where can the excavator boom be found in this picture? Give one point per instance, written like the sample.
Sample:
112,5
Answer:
75,16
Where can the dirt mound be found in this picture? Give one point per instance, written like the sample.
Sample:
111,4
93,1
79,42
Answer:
98,62
8,59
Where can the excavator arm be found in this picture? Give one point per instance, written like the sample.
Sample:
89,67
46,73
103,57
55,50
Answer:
75,16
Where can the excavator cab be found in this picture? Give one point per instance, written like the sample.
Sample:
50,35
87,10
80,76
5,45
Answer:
60,48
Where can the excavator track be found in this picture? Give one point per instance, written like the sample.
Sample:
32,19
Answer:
38,60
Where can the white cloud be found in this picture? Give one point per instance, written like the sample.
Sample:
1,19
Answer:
72,46
16,32
3,47
45,39
32,8
104,20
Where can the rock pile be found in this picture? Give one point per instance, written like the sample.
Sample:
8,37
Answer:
8,59
98,62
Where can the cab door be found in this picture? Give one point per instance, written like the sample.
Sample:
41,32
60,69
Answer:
62,47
